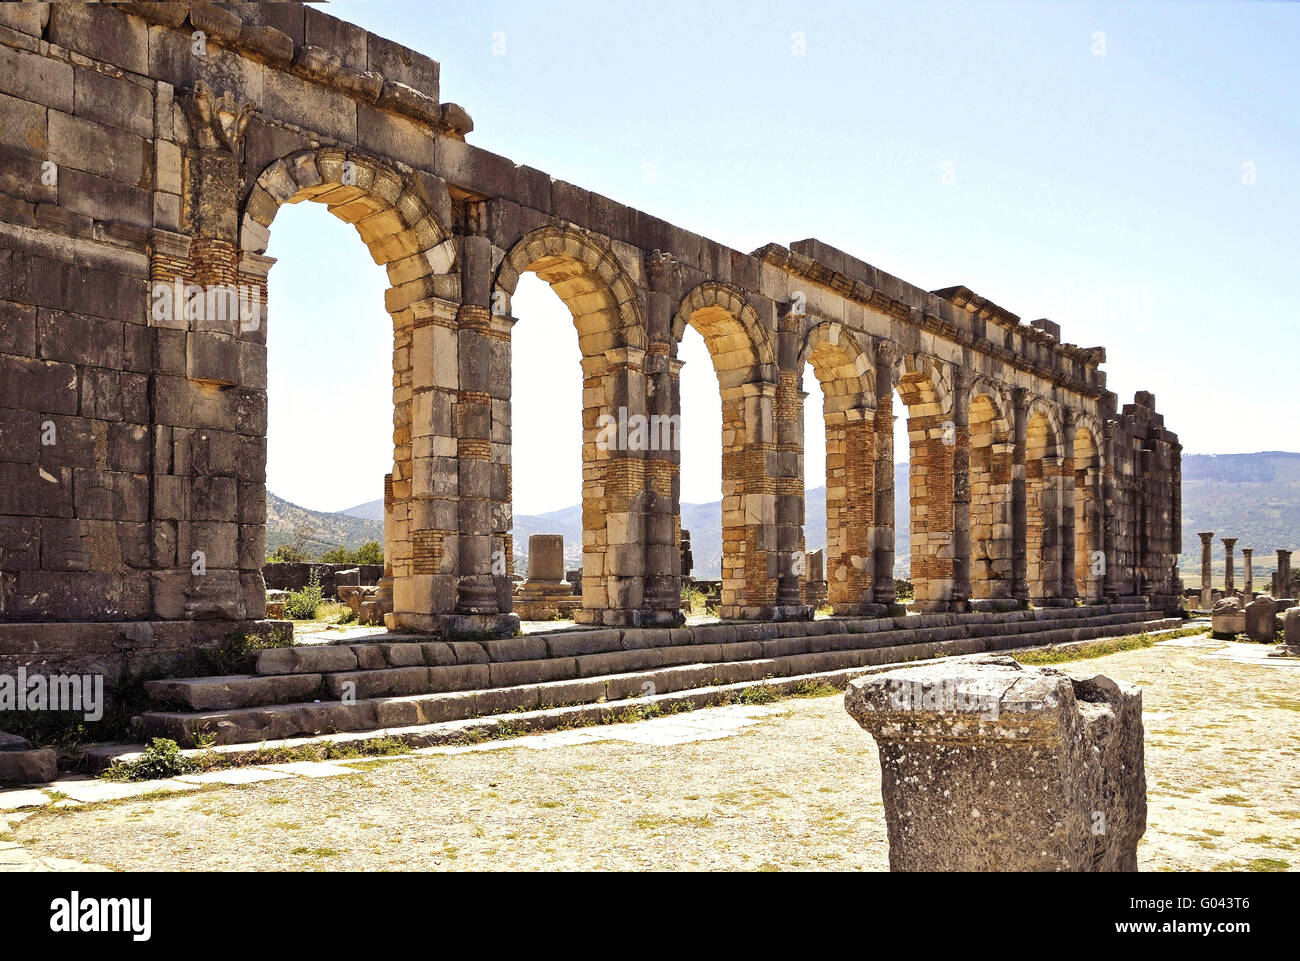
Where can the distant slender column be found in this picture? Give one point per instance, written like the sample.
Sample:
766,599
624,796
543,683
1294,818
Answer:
1283,588
1207,588
1019,517
1229,578
1247,557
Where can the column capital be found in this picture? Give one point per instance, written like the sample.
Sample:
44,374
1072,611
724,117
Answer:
888,353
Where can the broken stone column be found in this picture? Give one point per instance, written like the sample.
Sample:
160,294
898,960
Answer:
992,766
1247,559
1229,578
546,595
1261,616
1282,579
817,587
1207,584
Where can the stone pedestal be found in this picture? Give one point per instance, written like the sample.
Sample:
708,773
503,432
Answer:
1227,619
991,766
1261,615
546,595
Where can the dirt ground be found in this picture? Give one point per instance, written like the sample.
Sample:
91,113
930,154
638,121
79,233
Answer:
792,786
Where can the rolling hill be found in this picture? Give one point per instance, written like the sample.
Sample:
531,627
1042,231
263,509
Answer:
284,520
1255,497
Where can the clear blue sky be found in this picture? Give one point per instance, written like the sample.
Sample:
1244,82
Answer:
986,144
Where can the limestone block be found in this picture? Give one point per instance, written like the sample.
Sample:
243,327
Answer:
1291,627
101,32
95,148
1260,615
32,77
29,767
1070,791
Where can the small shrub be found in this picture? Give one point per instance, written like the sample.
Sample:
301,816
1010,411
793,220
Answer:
161,759
303,605
759,694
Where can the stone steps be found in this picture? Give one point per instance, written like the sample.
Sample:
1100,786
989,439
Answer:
432,667
248,709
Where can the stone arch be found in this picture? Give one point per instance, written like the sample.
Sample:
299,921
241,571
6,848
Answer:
991,456
401,233
584,273
619,487
739,344
847,377
1088,545
1044,499
925,389
762,495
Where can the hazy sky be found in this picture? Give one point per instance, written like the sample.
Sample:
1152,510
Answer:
1129,170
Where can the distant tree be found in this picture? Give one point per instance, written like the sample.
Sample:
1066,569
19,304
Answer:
371,552
294,552
287,554
337,555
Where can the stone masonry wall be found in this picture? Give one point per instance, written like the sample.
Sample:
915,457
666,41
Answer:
148,147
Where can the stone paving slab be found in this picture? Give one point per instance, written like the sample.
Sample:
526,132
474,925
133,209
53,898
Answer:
23,798
92,790
234,775
310,768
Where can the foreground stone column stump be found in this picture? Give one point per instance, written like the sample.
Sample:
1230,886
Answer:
992,766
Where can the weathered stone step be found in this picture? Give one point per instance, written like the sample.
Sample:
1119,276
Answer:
449,673
221,693
416,651
248,724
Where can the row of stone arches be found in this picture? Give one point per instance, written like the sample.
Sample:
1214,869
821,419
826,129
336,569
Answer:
449,500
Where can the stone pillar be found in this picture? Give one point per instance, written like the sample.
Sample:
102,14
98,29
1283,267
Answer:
1069,534
882,530
662,596
1283,588
1207,577
785,464
1045,588
423,545
480,476
750,555
851,495
1110,519
1229,575
1019,502
961,490
1070,790
1247,560
624,499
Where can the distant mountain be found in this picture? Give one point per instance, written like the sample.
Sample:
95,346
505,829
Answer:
327,531
1254,497
370,511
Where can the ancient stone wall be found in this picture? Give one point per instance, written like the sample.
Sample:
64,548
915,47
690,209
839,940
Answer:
145,150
